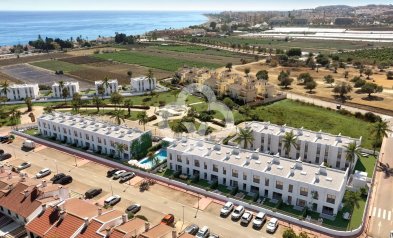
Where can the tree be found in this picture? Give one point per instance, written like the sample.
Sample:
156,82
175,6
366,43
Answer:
65,93
101,91
262,75
352,152
289,140
29,104
335,66
76,102
346,74
143,119
119,116
247,71
342,90
106,84
368,72
5,88
128,103
129,73
289,233
389,75
244,137
229,102
213,25
294,52
371,88
15,116
116,98
351,200
48,109
150,76
379,131
284,79
229,66
310,85
97,101
304,78
329,79
120,148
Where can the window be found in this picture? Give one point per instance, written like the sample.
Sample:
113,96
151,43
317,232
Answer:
87,137
99,140
224,171
266,182
303,191
75,133
65,130
178,158
256,179
170,156
235,173
244,176
300,203
196,163
204,165
331,199
187,161
338,164
215,168
290,188
279,185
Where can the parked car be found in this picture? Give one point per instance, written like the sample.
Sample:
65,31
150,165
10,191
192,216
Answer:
92,192
214,236
192,229
112,200
4,138
204,232
126,176
23,166
272,225
57,177
168,219
28,144
118,174
246,218
64,180
227,209
133,208
111,172
1,151
5,156
237,213
43,173
259,219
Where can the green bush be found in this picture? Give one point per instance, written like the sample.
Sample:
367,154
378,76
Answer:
214,185
234,191
130,215
177,173
255,197
279,204
195,178
371,117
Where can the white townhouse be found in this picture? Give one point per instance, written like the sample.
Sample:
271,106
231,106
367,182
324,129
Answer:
113,86
17,92
73,87
312,147
142,84
90,134
295,182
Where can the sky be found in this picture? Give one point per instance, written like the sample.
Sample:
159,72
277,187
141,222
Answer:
174,5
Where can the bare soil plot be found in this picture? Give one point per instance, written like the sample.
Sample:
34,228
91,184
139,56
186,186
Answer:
85,52
81,60
5,77
28,59
172,194
30,74
94,74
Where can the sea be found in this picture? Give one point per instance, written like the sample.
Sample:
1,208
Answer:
21,27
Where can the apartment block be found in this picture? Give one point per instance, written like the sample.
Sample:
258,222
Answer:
73,87
91,134
142,84
295,182
312,147
113,86
17,92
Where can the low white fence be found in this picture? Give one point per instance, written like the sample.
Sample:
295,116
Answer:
283,217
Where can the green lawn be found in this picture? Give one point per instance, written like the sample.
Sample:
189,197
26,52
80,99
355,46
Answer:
133,116
197,50
366,164
57,65
158,62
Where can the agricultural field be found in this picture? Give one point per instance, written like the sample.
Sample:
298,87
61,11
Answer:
56,65
8,78
81,60
370,56
34,58
197,50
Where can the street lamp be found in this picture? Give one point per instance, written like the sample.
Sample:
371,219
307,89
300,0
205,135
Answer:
76,164
110,183
196,213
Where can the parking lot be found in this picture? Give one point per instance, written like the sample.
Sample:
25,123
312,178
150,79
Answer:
156,202
31,74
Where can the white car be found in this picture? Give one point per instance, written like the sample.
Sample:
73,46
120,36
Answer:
204,232
118,174
23,166
246,218
238,212
259,219
112,200
272,225
43,173
227,209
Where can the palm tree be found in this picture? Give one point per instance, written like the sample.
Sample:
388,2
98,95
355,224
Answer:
385,168
48,109
106,83
380,130
289,140
97,101
119,116
29,104
353,152
128,103
76,102
15,115
116,98
245,137
150,76
5,88
120,148
351,200
143,119
101,91
65,93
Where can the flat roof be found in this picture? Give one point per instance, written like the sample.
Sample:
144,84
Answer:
302,134
268,164
65,83
109,81
93,125
140,78
26,85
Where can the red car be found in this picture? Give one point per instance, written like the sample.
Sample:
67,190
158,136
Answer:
168,219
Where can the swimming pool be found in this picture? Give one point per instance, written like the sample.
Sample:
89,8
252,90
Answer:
148,163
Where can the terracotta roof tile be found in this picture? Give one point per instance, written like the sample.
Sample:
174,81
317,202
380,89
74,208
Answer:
80,208
91,230
110,215
157,231
65,228
134,226
43,222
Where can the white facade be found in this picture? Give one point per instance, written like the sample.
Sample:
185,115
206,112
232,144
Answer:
142,84
296,183
17,92
113,86
73,87
88,133
312,147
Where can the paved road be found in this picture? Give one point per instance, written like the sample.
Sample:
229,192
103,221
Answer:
155,202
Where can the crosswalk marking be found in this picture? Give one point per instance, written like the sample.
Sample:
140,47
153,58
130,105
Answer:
379,212
374,211
389,215
384,214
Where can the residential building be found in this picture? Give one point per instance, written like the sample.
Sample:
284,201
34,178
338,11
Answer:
111,87
143,84
312,147
130,228
94,135
73,87
159,231
292,181
17,92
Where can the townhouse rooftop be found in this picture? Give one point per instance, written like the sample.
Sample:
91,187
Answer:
302,134
66,83
140,78
317,175
23,85
93,125
109,81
